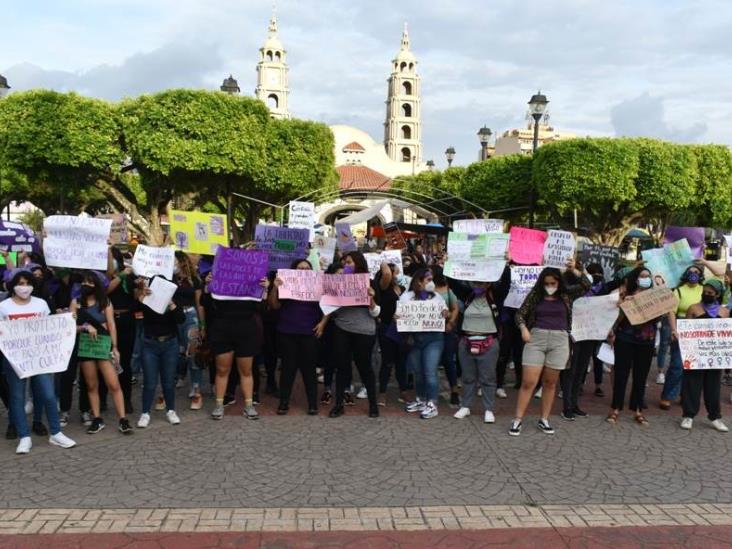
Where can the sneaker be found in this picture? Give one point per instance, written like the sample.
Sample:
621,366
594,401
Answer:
599,392
124,426
326,398
515,429
348,399
144,421
63,419
86,418
39,429
97,425
501,393
719,426
196,402
160,404
362,393
488,417
462,413
402,399
687,423
544,427
60,439
180,383
381,400
429,411
229,400
416,406
172,417
538,393
567,416
218,412
255,398
24,446
250,412
580,413
660,378
454,399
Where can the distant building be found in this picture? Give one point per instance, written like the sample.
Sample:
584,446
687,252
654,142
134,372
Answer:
272,86
521,140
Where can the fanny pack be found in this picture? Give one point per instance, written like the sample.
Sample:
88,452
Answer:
478,345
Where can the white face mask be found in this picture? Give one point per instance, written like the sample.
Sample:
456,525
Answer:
430,286
645,283
23,292
550,290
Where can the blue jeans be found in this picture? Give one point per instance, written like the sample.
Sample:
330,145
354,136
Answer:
672,387
43,394
663,343
424,359
188,360
159,359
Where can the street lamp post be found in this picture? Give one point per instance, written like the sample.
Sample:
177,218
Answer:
537,107
484,135
430,165
450,155
230,86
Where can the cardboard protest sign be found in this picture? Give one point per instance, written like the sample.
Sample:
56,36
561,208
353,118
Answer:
649,305
344,238
282,244
476,246
394,238
40,345
198,232
559,248
76,242
237,274
322,252
478,226
693,235
149,261
606,256
522,280
480,270
118,234
302,216
162,292
420,315
98,349
526,246
300,285
593,317
705,343
667,264
346,289
17,237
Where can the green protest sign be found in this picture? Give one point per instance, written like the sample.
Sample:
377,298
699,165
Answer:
98,348
13,257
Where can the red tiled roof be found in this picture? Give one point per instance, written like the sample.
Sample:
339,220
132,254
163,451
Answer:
361,178
353,146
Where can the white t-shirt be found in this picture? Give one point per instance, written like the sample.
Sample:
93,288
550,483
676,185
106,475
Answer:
36,307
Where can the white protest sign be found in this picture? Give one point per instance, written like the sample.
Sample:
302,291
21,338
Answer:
76,242
593,317
522,280
470,247
481,270
149,261
375,260
302,216
420,315
323,251
606,354
705,343
300,285
41,345
162,292
478,226
558,248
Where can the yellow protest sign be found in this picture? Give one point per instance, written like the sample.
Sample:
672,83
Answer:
198,232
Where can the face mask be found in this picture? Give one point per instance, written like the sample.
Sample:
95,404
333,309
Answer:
86,291
23,292
550,290
348,269
708,299
693,278
645,283
597,279
430,286
479,292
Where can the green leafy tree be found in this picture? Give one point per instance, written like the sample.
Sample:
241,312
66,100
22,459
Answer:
500,183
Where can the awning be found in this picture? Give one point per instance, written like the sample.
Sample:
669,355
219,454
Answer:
364,215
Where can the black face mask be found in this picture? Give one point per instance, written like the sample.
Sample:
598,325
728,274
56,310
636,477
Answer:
86,291
708,299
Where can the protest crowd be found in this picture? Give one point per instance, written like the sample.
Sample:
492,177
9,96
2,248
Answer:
127,325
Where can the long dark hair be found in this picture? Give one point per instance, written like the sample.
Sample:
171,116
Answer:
295,263
548,272
438,274
100,293
631,281
359,261
418,277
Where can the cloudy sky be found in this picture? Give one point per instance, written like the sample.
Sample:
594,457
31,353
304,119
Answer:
660,68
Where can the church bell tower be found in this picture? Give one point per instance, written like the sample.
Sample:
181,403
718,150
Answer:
272,74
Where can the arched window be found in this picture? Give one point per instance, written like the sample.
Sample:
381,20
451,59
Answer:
406,155
407,110
403,66
406,132
411,66
273,101
278,56
407,88
269,55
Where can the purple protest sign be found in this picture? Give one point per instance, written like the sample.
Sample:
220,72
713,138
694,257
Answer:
694,235
237,273
17,237
282,244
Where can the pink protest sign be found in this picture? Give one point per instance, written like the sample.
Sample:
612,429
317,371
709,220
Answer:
526,246
300,285
346,289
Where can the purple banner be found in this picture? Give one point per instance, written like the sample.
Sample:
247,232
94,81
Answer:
237,273
17,237
694,235
283,244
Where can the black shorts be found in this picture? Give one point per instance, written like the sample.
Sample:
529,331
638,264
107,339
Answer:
238,335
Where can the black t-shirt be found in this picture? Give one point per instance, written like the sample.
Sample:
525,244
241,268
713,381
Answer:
123,296
157,325
185,295
388,304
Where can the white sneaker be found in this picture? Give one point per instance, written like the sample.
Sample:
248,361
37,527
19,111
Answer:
686,423
60,439
28,407
362,393
24,446
462,413
86,419
488,417
501,393
719,426
430,411
416,406
660,378
144,421
537,394
173,418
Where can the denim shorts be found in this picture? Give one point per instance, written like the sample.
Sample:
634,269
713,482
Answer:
549,348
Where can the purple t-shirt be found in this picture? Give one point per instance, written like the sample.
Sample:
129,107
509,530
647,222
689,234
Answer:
551,315
298,317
